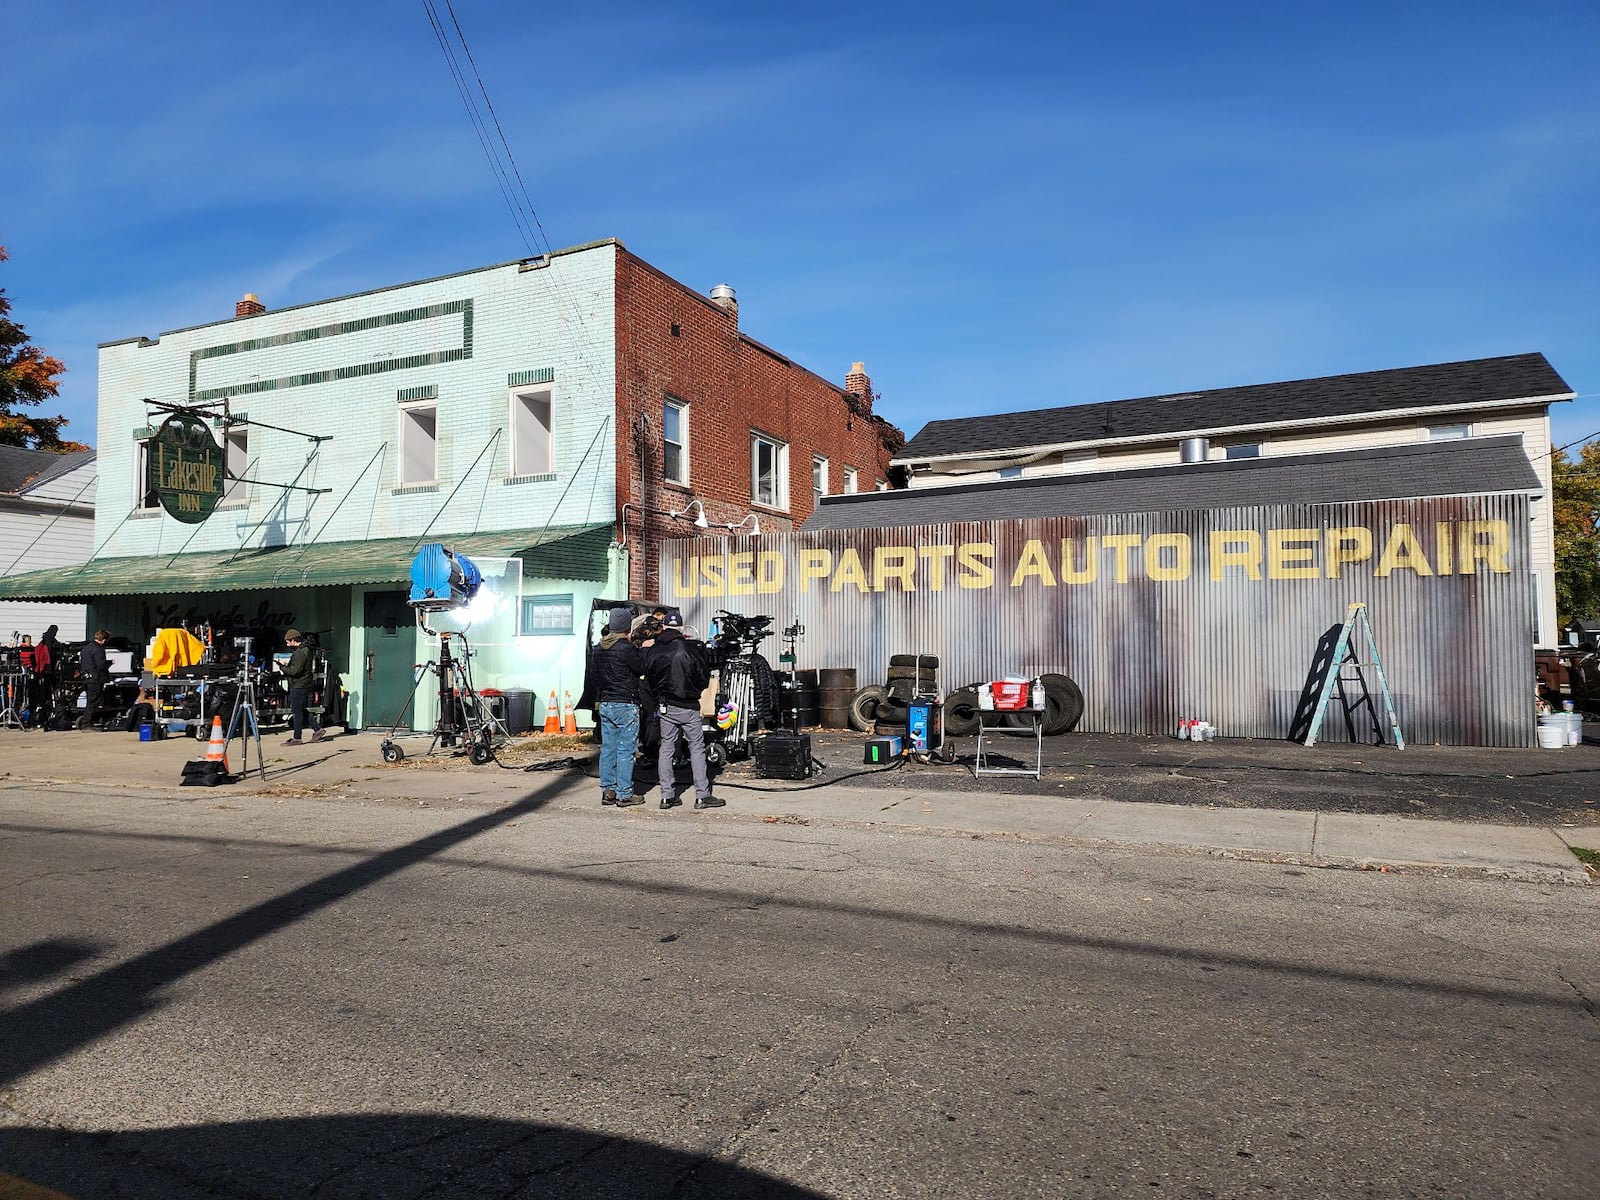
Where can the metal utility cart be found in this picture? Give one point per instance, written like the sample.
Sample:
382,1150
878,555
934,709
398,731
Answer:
1011,709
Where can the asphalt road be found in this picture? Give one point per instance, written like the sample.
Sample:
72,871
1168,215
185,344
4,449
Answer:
228,996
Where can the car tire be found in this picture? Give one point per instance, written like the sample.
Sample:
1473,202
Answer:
864,707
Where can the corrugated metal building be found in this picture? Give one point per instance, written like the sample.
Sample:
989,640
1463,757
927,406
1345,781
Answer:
1200,590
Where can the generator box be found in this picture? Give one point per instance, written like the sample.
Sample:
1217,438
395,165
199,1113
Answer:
783,755
881,750
925,724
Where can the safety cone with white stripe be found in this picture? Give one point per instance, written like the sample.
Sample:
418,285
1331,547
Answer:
217,748
569,720
552,716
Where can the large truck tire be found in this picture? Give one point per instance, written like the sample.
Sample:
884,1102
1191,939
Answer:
1063,704
961,713
864,707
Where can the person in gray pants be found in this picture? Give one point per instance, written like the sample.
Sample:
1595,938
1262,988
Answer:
679,671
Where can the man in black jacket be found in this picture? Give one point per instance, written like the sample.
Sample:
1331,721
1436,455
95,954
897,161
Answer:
300,677
96,671
678,671
614,677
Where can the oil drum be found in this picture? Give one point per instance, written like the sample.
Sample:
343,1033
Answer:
836,689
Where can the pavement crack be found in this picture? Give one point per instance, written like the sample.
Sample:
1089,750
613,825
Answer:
1584,999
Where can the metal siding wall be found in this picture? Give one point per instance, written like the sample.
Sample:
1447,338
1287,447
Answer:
1147,652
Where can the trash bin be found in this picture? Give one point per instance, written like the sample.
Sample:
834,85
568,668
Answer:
518,709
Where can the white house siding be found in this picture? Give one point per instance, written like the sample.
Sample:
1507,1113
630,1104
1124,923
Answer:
339,368
29,541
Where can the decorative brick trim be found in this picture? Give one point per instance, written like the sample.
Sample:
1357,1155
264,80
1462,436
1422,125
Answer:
537,375
412,489
513,480
339,329
428,391
149,431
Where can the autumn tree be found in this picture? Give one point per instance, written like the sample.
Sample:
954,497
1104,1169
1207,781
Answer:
1575,510
27,380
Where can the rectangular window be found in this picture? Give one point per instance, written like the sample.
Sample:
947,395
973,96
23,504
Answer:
546,616
532,434
769,471
1245,450
144,496
880,486
236,448
675,441
1009,472
1445,432
819,477
850,481
419,444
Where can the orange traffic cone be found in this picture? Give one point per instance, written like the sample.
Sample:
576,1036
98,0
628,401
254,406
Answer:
217,750
552,717
569,721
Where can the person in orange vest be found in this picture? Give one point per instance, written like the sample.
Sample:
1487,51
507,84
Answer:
615,670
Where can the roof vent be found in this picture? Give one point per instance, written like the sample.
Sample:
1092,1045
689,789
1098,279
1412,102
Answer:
722,296
1192,450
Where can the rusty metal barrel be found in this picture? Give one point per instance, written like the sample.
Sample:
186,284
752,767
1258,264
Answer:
836,689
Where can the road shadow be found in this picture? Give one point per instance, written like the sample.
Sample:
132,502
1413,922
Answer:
43,1030
45,958
377,1155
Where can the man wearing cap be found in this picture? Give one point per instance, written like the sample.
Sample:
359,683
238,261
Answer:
678,671
299,676
616,668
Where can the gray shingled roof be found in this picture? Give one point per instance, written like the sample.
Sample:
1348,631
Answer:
1461,466
21,468
1368,393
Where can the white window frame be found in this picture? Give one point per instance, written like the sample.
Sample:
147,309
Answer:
523,460
236,457
406,416
852,481
549,603
681,407
1242,450
780,457
141,476
1448,432
819,476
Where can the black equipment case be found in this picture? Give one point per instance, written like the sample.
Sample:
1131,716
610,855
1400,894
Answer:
783,755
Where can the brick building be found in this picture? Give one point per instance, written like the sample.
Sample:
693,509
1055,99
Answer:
547,416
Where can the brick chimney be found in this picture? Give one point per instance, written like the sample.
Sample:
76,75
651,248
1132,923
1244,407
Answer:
249,306
857,383
722,296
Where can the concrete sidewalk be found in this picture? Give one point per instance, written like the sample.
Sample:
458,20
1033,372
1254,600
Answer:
910,799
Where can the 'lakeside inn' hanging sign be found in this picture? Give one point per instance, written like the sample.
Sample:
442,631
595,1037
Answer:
185,472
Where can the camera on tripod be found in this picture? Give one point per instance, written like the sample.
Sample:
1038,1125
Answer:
739,634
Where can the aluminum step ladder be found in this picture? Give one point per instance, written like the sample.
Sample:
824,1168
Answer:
1347,667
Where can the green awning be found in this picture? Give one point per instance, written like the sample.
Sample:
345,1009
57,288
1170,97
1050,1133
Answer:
566,552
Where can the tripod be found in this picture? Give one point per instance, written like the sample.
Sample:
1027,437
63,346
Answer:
463,717
243,719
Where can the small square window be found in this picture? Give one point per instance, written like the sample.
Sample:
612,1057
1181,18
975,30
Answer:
675,441
769,471
546,616
851,481
419,444
1009,472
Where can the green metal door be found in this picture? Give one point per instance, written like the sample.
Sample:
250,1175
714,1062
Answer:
391,640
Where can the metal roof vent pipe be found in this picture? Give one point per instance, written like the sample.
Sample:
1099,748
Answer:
722,296
1193,450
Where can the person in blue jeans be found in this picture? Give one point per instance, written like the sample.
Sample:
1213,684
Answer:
616,668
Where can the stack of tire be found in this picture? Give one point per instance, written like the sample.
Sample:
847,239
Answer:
884,708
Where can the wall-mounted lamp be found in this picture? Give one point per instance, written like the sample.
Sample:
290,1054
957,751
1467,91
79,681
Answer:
700,521
752,520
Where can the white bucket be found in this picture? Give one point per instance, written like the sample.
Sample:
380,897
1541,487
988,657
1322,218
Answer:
1574,728
1551,736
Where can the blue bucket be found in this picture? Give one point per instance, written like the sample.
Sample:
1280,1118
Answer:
146,733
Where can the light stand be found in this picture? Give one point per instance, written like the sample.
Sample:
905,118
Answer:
243,719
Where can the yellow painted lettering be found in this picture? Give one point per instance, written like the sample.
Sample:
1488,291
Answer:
1033,564
1182,556
1402,552
1289,553
1346,544
849,571
742,573
1122,545
769,572
974,565
1070,571
1444,546
711,572
685,575
1247,556
1489,541
936,557
814,564
894,562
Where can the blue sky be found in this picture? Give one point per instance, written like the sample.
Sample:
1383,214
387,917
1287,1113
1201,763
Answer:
996,206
